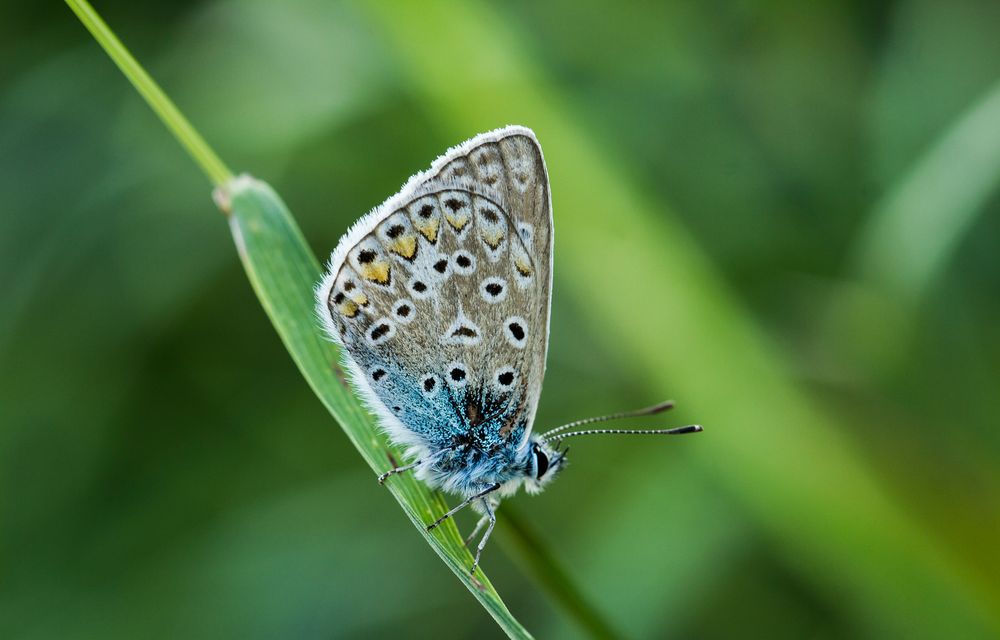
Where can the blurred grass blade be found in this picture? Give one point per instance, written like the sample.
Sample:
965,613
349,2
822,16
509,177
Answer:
528,549
909,239
917,226
283,272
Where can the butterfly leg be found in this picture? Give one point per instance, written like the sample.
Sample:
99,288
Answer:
391,472
486,536
488,490
479,526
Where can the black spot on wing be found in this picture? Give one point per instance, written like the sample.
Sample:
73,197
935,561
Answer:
464,331
516,330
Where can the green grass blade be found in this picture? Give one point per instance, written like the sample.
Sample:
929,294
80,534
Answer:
283,272
158,101
911,237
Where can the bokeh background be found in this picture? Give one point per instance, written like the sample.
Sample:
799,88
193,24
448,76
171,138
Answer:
783,215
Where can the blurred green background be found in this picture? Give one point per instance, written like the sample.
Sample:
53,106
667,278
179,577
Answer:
783,215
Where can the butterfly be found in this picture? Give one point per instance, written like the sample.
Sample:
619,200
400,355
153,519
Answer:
440,300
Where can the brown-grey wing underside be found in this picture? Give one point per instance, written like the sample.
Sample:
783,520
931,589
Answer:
442,297
513,166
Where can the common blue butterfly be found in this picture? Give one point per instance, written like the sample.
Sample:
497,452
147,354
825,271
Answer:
440,300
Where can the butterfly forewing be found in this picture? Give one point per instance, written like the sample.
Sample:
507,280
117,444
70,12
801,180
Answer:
441,296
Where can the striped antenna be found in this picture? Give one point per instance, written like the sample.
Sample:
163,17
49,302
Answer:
647,411
676,431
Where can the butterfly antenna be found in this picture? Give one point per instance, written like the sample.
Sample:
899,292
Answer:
676,431
646,411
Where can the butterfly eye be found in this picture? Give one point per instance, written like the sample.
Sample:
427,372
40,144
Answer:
541,463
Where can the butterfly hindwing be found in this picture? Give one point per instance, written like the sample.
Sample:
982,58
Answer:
440,297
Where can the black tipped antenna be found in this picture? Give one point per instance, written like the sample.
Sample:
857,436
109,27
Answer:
646,411
676,431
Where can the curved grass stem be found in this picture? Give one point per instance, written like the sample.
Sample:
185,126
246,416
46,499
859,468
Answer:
190,139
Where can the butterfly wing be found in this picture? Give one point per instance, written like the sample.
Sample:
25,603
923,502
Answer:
440,296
